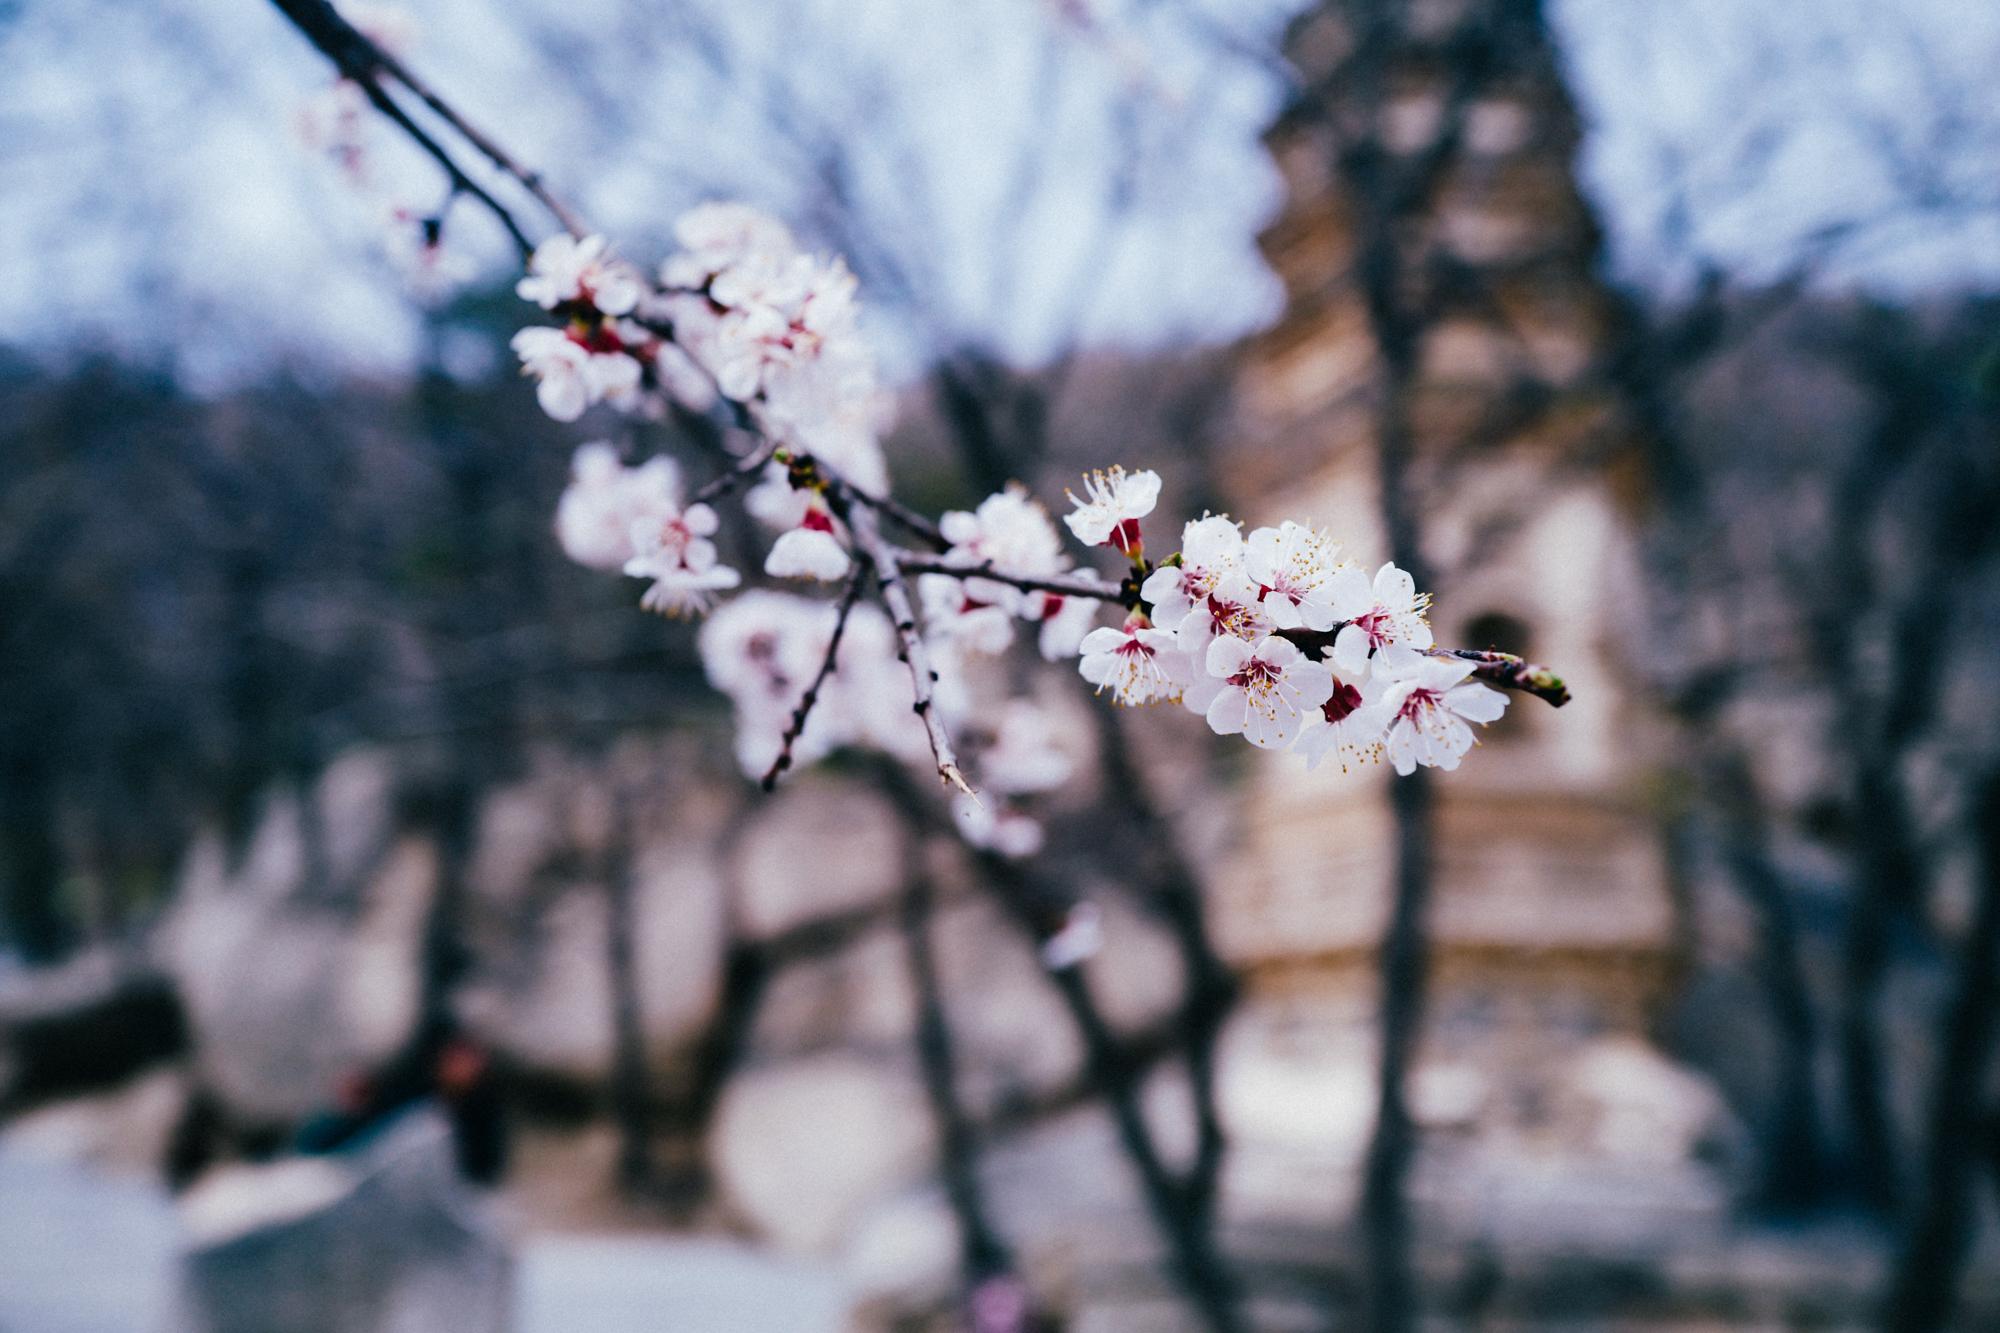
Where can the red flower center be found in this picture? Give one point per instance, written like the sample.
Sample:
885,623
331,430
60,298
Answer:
1375,624
1256,674
1421,701
1343,703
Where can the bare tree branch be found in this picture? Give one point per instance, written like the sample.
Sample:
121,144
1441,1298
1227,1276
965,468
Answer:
796,727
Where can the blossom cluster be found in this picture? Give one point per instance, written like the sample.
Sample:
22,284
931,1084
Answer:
1226,626
739,312
1268,634
739,315
764,649
1012,535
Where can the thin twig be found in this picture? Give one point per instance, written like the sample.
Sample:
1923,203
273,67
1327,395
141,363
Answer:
531,181
460,182
1513,673
796,727
360,60
887,559
1080,584
752,464
906,517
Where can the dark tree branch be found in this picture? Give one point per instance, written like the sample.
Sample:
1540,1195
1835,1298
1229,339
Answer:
796,727
361,61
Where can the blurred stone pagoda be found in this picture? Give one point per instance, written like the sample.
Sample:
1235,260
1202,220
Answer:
1554,934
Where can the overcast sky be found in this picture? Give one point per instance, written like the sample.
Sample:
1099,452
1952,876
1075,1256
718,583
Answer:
161,202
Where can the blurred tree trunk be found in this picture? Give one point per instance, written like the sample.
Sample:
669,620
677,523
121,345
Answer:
1795,1177
1390,1292
1390,1285
31,860
1924,1286
1385,198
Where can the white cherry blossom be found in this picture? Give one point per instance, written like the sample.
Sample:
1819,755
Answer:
1211,550
808,552
612,377
571,376
1114,502
767,311
775,502
678,591
777,330
1263,691
1011,533
1431,704
673,549
684,381
676,536
952,612
716,235
1296,566
1350,726
565,269
1232,609
836,420
1389,623
745,314
604,499
1065,622
762,649
558,364
1137,663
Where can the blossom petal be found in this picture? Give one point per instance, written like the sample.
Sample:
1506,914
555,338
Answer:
1226,656
1475,702
1272,726
1394,587
1350,650
1228,712
1348,594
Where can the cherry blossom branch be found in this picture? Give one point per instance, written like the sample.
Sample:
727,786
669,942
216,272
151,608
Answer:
752,464
1082,583
1505,670
528,179
362,61
902,515
796,727
1514,673
460,182
590,360
887,561
919,525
